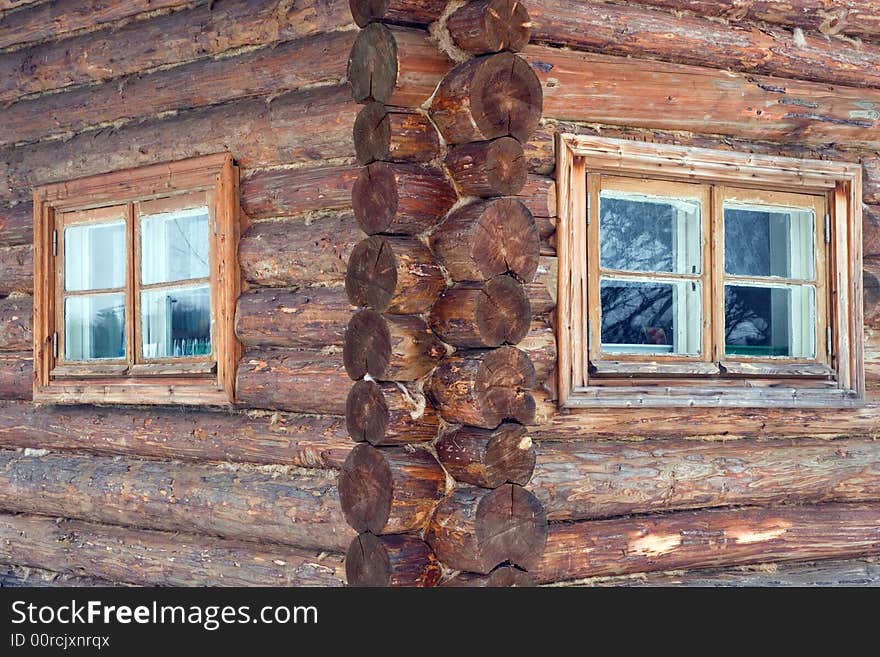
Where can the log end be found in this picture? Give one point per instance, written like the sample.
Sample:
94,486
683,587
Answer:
390,561
365,489
504,316
372,133
513,524
490,26
367,348
374,198
371,276
366,413
372,64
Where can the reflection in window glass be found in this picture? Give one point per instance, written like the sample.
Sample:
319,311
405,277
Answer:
94,256
650,317
649,234
768,241
770,321
174,246
94,327
176,322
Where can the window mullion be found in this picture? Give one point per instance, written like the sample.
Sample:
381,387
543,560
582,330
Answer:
131,288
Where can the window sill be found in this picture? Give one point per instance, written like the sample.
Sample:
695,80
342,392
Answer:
186,393
710,397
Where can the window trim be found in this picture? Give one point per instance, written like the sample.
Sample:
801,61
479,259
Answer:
153,383
841,183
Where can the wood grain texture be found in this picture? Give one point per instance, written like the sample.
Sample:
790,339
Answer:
398,560
296,507
389,414
418,12
599,479
16,374
488,26
394,136
16,317
17,224
153,558
711,538
306,441
276,193
17,269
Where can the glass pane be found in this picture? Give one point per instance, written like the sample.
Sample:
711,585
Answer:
646,233
770,321
94,327
94,256
650,317
768,241
176,322
174,246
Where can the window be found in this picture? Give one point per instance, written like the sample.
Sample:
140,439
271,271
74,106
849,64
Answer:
136,280
699,277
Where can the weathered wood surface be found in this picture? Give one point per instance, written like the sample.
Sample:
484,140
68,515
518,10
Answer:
501,577
16,224
12,576
289,192
600,479
320,59
543,288
391,561
396,275
418,12
311,318
488,238
476,530
648,94
540,346
709,538
290,506
17,269
487,168
304,127
488,458
390,347
295,253
852,17
287,380
488,97
207,30
154,558
16,318
871,231
390,490
178,433
394,136
871,183
539,196
480,315
395,66
16,374
645,33
827,573
483,388
488,26
400,198
389,414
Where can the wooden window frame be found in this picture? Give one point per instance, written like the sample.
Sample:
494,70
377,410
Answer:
205,380
802,384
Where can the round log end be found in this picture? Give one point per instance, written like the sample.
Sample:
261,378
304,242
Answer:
506,97
510,455
509,577
513,524
508,240
489,26
506,166
505,314
372,133
366,413
365,12
372,64
505,378
367,348
374,198
371,276
390,561
365,489
488,458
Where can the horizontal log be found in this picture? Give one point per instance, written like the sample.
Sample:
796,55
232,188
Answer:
391,561
16,375
633,31
852,17
826,573
539,196
390,490
17,224
647,94
387,135
51,20
298,381
17,269
294,507
488,26
17,4
312,318
501,577
390,347
395,66
320,59
16,317
298,253
389,414
417,12
488,457
871,183
871,231
709,538
600,479
540,346
12,576
871,289
487,168
402,199
305,127
396,275
154,558
543,288
177,433
290,192
208,29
